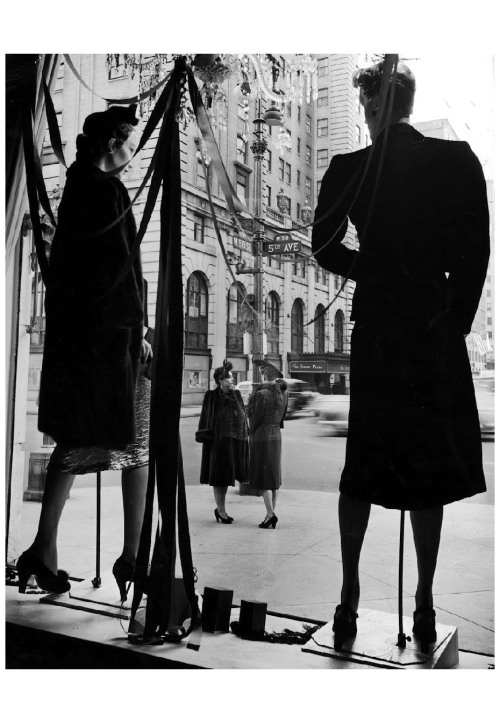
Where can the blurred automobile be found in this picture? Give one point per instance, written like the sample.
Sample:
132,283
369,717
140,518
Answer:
332,411
484,388
300,396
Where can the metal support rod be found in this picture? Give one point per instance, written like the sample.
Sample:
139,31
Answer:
401,634
96,582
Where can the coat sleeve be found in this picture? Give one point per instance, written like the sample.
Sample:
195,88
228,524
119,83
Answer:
206,420
258,408
466,235
328,232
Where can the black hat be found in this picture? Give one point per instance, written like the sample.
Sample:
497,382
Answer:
268,369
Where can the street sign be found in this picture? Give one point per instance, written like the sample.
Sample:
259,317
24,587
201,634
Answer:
311,367
283,247
243,244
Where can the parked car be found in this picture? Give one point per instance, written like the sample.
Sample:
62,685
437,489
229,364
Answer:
246,388
485,397
332,411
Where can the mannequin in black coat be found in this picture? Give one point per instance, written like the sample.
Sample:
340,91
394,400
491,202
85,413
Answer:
414,439
94,341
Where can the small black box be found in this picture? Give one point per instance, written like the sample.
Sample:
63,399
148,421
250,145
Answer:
216,610
252,617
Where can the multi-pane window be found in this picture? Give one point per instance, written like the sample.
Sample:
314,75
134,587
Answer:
298,146
242,110
282,169
322,158
241,149
308,187
235,329
199,228
308,123
242,186
339,331
308,155
269,159
298,178
322,67
319,329
299,268
288,173
297,319
272,323
117,70
268,195
322,127
196,319
322,97
358,134
289,108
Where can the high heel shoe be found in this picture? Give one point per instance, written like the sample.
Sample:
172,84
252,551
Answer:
225,520
28,564
123,572
271,522
424,627
343,627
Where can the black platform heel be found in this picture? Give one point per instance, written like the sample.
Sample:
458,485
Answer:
344,629
225,520
28,564
123,572
424,627
271,522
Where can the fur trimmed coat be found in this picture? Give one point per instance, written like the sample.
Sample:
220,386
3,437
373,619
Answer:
266,414
93,339
225,458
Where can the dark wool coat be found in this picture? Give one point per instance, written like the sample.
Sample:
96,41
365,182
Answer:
92,340
266,413
225,458
414,438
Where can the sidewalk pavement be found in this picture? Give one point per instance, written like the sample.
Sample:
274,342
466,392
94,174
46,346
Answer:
296,568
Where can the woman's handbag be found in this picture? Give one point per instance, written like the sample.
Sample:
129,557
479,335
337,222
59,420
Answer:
204,435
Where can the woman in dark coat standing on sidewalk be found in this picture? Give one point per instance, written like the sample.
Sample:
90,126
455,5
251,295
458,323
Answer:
90,402
223,430
421,213
266,413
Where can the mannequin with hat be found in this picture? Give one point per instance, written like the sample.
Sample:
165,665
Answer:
266,413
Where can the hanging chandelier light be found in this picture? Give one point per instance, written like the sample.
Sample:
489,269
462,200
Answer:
256,74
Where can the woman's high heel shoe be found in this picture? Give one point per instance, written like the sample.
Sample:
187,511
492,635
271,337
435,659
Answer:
271,522
224,520
344,625
28,565
123,572
424,627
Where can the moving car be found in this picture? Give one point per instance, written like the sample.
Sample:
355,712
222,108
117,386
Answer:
300,396
332,411
246,388
484,388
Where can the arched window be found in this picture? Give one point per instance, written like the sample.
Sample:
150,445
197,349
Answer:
297,327
196,320
319,330
339,331
235,328
272,323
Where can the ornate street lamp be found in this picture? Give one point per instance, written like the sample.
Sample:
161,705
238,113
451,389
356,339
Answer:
306,213
282,201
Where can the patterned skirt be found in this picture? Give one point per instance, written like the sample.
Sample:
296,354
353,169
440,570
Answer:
85,460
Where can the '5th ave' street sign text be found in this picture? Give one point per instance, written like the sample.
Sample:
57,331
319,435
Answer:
283,244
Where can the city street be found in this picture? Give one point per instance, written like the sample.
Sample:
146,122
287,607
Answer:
312,459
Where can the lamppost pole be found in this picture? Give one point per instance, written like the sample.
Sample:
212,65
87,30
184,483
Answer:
259,147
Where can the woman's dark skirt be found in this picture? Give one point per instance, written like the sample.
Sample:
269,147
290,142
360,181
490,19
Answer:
229,462
414,438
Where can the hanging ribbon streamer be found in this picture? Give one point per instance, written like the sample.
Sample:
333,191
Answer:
54,132
116,101
167,369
